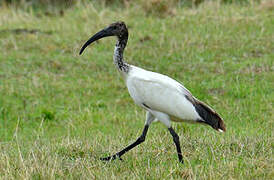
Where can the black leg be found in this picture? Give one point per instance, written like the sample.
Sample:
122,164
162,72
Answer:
126,149
177,143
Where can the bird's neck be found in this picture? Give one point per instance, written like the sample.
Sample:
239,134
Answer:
118,54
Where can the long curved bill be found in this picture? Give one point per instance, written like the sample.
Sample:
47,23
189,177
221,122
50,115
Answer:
103,33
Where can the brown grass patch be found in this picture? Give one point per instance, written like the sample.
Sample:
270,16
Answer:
160,7
267,4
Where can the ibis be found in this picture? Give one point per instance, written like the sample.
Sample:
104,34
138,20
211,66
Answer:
164,99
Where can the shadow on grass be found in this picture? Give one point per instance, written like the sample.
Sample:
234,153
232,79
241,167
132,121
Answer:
74,152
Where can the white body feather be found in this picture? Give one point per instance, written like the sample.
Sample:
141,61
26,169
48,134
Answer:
161,94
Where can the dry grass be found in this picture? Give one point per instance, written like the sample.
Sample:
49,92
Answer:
267,4
160,7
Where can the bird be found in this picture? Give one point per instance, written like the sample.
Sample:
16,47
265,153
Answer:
164,99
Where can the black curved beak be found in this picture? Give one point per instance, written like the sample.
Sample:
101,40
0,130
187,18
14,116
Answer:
103,33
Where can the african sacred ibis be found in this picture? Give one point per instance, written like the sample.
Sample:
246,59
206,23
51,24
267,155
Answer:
163,98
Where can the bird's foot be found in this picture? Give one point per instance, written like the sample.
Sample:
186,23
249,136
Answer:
111,158
181,160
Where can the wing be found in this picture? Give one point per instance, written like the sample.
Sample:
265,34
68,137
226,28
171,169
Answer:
161,93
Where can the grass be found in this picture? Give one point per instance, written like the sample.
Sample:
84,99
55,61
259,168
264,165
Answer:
60,112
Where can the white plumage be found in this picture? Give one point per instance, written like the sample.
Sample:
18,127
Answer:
160,93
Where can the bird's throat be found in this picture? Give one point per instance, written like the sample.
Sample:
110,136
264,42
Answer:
118,55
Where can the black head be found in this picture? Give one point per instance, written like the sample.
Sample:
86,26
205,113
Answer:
118,29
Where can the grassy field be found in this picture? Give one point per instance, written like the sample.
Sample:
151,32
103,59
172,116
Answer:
60,112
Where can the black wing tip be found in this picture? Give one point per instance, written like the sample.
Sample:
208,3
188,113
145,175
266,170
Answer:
209,116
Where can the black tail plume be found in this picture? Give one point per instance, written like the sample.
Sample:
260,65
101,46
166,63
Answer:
209,116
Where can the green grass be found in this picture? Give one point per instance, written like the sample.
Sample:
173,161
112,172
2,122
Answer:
60,112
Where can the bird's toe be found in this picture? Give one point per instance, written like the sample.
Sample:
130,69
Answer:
110,158
106,158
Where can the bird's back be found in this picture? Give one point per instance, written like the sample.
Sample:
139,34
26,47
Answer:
161,93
